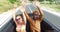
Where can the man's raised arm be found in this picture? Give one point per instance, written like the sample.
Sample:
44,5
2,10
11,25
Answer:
41,13
37,4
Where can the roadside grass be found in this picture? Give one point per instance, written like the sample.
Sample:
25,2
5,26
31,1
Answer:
56,7
5,5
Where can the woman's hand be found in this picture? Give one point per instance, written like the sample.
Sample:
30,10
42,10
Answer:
23,6
22,9
23,3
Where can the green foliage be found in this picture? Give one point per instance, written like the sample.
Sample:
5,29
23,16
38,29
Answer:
30,0
38,0
12,1
41,0
52,6
51,1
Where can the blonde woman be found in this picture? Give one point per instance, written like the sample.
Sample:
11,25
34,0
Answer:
20,22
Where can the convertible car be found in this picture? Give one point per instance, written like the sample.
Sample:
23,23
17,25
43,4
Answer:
46,26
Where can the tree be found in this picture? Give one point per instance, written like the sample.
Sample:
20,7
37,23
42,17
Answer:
41,0
50,1
38,0
12,1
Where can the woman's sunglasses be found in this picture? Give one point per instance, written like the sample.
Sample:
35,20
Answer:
17,19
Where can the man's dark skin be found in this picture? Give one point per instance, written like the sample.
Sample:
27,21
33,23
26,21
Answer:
35,23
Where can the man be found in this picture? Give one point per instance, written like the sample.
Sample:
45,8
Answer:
35,23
